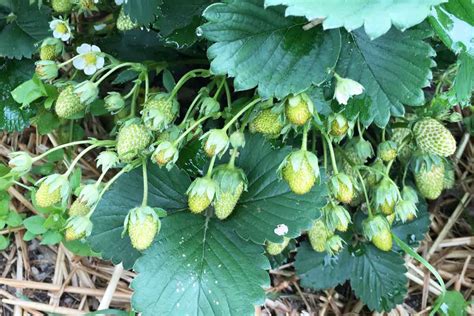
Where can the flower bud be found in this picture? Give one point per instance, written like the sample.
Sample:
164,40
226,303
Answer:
20,162
237,139
209,106
114,102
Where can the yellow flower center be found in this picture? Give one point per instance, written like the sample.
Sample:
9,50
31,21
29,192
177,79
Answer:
90,58
61,28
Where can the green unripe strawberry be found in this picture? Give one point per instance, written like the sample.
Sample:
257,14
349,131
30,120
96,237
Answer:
142,232
78,208
231,182
338,126
383,240
124,22
300,170
159,112
200,194
226,202
274,249
71,234
434,138
318,235
429,180
61,6
45,197
334,244
399,136
386,196
387,151
217,142
336,217
132,139
299,109
48,52
342,188
377,230
267,123
68,103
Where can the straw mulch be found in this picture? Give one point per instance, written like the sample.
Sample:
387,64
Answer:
37,279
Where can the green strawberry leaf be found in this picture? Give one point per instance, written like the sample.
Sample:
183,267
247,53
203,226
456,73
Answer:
376,16
414,231
260,47
13,117
143,12
199,266
464,82
320,271
179,19
166,190
27,27
268,201
393,69
378,278
453,22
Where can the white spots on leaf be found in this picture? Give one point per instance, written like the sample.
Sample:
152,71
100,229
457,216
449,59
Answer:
281,230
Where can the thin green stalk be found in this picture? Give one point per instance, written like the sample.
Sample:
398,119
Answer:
145,183
147,85
304,142
186,132
211,166
79,142
97,83
331,152
248,106
78,157
232,158
191,107
364,189
219,89
191,74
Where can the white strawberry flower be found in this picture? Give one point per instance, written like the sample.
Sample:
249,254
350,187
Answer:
90,59
120,2
61,29
346,88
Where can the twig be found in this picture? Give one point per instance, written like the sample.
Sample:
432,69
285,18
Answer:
452,219
109,292
42,307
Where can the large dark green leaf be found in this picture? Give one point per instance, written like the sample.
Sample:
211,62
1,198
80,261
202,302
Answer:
28,26
260,47
393,69
376,16
166,190
454,24
13,117
319,271
464,82
143,12
199,266
378,278
269,202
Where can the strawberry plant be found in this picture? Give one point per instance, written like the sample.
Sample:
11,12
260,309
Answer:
225,132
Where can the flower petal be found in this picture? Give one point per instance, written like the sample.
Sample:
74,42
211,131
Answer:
90,69
95,48
100,62
79,63
84,48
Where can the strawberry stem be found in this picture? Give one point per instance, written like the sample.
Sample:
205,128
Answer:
191,107
248,106
369,209
145,183
331,152
211,166
304,142
80,142
111,71
186,132
191,74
